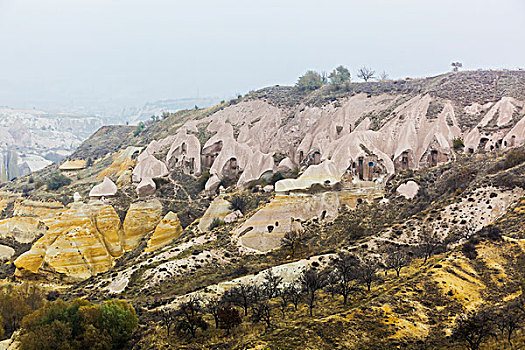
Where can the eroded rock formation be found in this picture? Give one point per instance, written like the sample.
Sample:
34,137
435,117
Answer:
86,239
166,231
141,220
366,137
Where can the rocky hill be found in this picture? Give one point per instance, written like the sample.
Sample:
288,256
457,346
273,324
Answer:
200,202
31,139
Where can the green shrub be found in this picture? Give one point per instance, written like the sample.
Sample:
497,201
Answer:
15,303
458,143
469,250
56,181
339,76
239,202
276,177
120,320
141,126
310,81
203,179
79,325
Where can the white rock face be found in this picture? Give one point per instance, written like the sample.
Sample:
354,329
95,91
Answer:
6,252
149,167
500,115
146,187
253,138
233,216
408,190
218,209
268,188
264,230
105,189
77,197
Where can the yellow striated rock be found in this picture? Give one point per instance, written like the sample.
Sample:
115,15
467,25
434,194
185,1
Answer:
80,243
122,161
33,259
167,230
218,209
23,229
78,253
46,211
141,219
87,238
107,223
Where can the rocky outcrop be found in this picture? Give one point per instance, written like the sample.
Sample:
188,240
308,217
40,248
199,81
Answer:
9,167
23,229
76,243
105,189
146,187
149,167
264,230
78,253
6,253
86,239
141,220
45,211
218,209
185,153
166,231
107,222
233,216
123,161
492,131
408,190
366,137
73,165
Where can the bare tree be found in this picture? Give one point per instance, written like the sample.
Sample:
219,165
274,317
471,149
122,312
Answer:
429,242
257,294
332,282
324,77
396,258
229,317
294,294
167,317
456,66
240,295
473,329
283,301
367,271
212,307
271,284
510,318
291,239
346,268
383,76
189,317
366,73
262,312
312,281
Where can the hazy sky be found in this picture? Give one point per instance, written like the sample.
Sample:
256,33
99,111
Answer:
71,53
